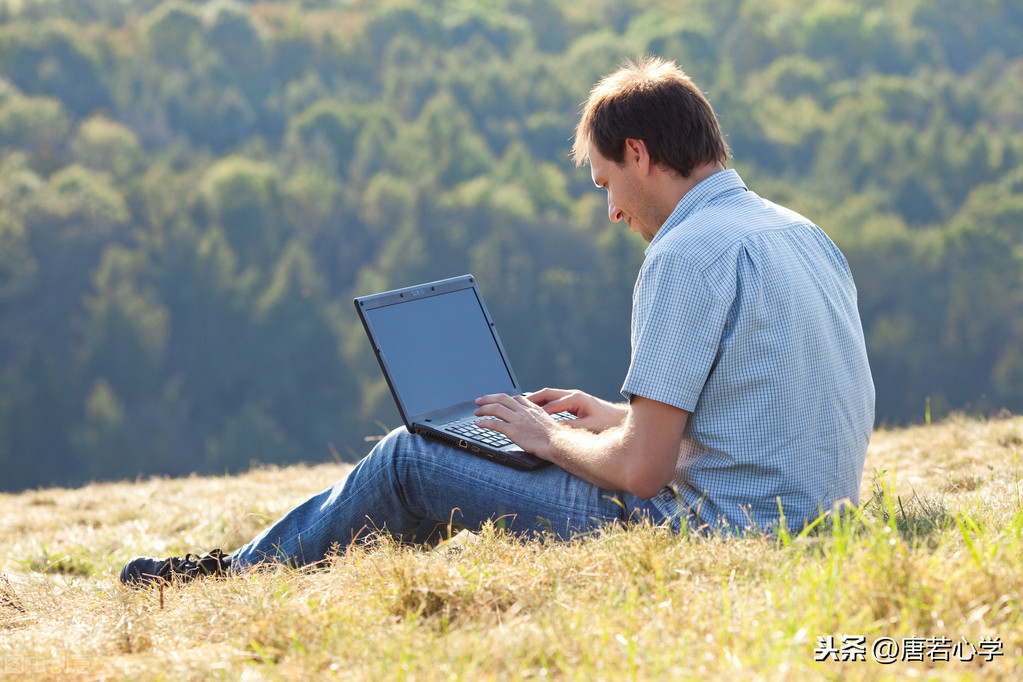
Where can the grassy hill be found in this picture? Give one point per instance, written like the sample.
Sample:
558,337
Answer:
932,561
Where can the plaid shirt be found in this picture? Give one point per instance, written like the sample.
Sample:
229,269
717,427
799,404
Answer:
744,314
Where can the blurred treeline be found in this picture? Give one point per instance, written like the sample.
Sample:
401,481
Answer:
192,193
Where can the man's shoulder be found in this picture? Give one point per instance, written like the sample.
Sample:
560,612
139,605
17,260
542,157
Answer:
714,247
706,235
718,227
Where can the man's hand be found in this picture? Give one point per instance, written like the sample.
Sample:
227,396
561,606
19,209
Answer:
593,414
525,423
637,453
526,419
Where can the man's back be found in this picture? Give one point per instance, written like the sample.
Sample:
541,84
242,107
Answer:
768,357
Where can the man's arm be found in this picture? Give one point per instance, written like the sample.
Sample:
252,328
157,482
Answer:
637,455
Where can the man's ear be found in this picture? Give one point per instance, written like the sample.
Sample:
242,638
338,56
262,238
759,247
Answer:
636,153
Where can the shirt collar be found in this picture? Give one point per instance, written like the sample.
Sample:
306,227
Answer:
717,185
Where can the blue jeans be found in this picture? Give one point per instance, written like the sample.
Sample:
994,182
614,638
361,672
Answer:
407,480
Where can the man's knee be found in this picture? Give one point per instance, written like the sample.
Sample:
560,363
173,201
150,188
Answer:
396,451
397,440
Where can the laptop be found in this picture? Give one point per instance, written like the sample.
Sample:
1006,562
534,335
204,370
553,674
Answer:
439,351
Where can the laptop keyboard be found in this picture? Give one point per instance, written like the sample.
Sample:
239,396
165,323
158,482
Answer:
466,428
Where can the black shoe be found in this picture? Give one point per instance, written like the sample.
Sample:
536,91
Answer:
145,570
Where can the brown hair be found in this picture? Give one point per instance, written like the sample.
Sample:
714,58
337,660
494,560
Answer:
655,101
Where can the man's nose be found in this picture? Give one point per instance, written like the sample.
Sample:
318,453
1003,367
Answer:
613,212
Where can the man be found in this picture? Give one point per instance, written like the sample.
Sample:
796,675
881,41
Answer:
750,401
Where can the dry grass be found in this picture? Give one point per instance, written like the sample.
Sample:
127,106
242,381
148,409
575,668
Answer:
936,552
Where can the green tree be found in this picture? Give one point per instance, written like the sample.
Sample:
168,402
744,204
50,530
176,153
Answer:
173,32
55,60
107,145
18,281
328,130
303,380
243,197
39,125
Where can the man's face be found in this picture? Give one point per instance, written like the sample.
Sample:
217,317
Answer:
628,197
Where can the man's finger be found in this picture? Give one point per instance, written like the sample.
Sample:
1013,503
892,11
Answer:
546,395
498,425
499,410
496,398
555,406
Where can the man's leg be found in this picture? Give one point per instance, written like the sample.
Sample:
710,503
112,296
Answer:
407,479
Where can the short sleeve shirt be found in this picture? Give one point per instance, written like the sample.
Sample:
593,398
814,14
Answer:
744,314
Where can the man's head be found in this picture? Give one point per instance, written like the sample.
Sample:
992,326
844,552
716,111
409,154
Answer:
654,101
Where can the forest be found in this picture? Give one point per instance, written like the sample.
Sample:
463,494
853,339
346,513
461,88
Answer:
191,194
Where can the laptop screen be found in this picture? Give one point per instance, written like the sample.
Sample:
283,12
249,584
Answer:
440,350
